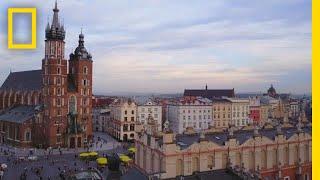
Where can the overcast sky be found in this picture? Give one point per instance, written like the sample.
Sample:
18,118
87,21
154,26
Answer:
165,46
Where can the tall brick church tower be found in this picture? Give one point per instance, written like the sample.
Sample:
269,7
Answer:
66,95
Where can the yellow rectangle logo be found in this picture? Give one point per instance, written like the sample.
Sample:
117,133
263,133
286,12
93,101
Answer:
33,43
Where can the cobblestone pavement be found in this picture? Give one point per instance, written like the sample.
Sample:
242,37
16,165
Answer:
55,163
106,143
50,167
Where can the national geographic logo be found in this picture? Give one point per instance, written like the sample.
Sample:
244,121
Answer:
33,43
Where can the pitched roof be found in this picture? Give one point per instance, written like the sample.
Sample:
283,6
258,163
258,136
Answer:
210,93
23,80
186,140
18,114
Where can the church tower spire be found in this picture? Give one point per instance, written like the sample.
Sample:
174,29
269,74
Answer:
56,31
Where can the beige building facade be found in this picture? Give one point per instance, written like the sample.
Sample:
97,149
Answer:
221,113
265,153
264,113
123,120
240,112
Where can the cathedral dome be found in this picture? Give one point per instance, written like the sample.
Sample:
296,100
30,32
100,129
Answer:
272,90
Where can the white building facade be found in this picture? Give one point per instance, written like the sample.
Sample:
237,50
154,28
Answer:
196,114
294,108
150,109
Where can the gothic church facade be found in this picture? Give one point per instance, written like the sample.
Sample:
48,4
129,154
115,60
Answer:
51,106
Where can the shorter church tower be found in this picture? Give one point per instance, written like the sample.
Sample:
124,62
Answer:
80,96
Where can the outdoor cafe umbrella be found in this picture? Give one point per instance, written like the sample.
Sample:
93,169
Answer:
83,155
132,150
93,153
125,158
102,161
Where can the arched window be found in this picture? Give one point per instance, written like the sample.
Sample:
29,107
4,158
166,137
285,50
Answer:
58,70
72,104
195,164
27,136
85,70
179,167
210,161
58,91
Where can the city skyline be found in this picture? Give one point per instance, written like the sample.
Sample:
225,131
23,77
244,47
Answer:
149,46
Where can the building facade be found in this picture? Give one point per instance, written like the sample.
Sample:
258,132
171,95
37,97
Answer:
101,119
294,108
240,112
123,120
19,126
259,153
196,114
254,108
150,109
221,113
264,113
